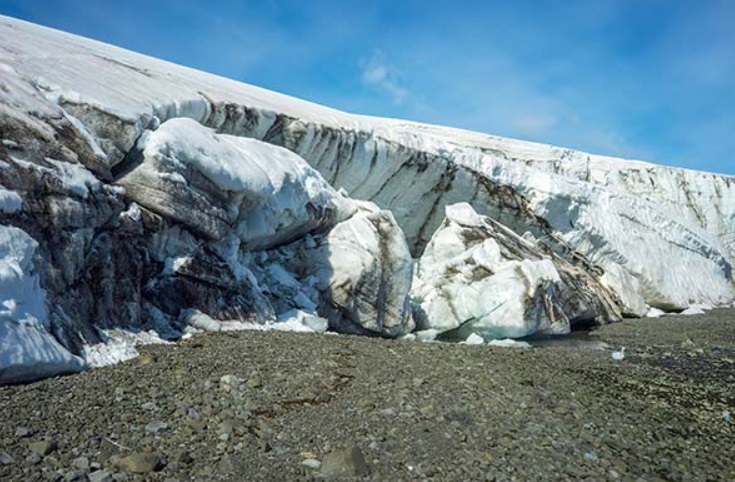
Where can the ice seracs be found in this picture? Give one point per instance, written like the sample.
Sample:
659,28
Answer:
478,277
27,350
370,270
358,275
217,185
163,199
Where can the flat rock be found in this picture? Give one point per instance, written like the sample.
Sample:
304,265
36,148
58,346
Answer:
231,464
100,476
156,426
43,447
6,458
140,463
347,462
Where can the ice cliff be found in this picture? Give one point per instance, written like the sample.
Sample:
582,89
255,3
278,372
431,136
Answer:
143,196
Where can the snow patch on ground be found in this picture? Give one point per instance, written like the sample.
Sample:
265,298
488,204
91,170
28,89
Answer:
508,343
473,339
293,321
119,346
697,309
655,313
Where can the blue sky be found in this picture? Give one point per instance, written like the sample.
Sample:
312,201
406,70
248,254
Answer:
646,79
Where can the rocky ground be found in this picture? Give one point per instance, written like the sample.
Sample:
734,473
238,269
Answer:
286,406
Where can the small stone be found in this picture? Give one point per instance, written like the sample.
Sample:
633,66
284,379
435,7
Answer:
231,464
33,459
145,358
113,461
311,463
323,397
184,458
100,476
230,381
349,462
426,410
75,475
197,425
80,463
591,457
53,476
43,447
254,382
150,406
226,427
264,446
5,458
156,426
23,432
140,463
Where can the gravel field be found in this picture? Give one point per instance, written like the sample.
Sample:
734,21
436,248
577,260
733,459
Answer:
287,406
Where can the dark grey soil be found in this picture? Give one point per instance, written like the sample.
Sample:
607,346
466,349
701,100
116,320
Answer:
414,411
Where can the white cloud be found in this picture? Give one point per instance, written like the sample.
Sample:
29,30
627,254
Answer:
608,142
378,74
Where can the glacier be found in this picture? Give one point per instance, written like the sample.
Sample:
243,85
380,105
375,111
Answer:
161,198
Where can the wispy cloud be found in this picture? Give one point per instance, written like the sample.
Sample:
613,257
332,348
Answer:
534,124
378,74
609,142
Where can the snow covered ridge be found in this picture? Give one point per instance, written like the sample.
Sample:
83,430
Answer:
154,200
